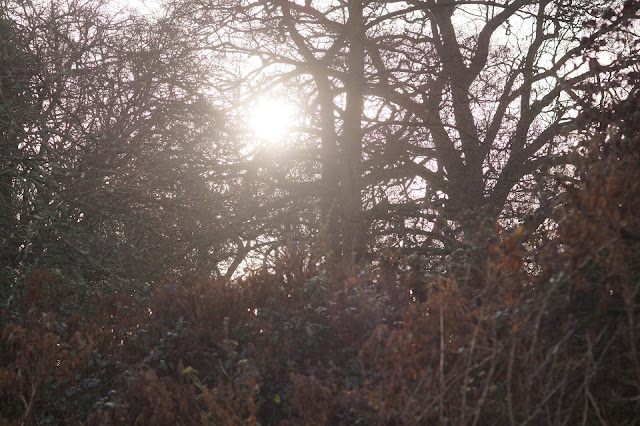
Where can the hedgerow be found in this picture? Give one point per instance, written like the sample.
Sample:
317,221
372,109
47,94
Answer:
527,333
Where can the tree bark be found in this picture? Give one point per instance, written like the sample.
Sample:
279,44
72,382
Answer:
351,145
330,235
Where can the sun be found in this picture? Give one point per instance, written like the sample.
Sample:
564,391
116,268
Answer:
271,119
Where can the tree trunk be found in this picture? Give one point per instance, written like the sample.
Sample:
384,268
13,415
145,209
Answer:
353,241
329,230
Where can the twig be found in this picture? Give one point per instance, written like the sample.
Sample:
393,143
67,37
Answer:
487,383
512,354
441,361
595,407
468,369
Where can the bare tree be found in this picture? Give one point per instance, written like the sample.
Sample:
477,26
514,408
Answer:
426,120
115,164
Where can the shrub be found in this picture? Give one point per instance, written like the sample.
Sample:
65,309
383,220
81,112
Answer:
529,332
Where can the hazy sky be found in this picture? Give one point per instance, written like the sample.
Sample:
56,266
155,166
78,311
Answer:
144,6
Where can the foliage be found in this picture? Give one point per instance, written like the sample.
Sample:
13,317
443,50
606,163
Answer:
511,337
112,155
127,202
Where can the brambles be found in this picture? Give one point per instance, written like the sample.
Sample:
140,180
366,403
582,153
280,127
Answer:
105,319
558,344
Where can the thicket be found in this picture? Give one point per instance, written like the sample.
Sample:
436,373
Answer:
506,292
539,326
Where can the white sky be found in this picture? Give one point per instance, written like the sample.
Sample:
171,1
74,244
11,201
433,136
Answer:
143,6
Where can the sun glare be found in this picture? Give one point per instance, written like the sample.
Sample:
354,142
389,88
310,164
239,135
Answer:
270,119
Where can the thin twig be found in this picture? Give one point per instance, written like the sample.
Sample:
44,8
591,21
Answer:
441,361
468,369
512,354
487,383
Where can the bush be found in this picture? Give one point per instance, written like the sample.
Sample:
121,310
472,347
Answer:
528,333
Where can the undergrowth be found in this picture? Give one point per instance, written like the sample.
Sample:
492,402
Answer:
518,336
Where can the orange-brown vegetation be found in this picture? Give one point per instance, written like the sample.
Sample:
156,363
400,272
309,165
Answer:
536,331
